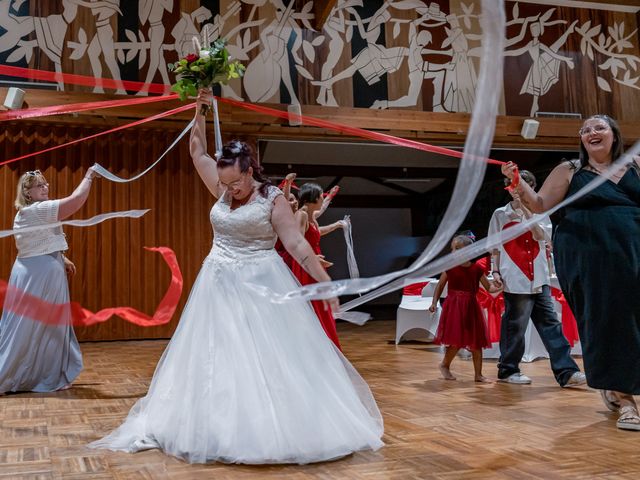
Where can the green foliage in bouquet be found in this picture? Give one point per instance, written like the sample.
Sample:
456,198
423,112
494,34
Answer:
209,67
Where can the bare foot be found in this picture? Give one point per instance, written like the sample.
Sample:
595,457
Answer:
66,387
445,372
481,379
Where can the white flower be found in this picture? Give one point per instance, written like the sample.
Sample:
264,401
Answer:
204,54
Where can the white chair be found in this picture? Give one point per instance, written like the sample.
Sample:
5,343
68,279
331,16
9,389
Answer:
413,317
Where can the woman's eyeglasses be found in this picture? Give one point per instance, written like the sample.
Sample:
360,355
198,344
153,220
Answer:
599,128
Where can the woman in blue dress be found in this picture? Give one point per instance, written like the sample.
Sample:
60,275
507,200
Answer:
39,351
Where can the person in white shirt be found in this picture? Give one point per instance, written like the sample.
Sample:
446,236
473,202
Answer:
39,351
521,265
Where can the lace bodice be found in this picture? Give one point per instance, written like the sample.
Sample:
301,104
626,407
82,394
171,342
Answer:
247,230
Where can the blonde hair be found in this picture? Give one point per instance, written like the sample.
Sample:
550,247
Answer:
27,180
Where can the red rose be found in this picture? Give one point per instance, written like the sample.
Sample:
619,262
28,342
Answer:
192,57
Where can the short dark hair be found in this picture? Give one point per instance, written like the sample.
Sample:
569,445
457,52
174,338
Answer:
309,193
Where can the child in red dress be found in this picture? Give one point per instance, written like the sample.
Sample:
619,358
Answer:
462,323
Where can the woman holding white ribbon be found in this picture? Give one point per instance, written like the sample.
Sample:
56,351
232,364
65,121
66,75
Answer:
311,202
245,380
597,250
39,351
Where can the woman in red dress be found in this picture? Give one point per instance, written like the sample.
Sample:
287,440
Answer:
462,323
310,202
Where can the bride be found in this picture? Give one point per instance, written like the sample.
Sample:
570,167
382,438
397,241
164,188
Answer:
244,380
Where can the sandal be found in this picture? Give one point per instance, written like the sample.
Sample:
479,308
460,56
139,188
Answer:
610,401
628,419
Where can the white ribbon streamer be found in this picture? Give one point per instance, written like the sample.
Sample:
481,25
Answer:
216,128
103,172
470,174
351,256
77,223
464,254
358,318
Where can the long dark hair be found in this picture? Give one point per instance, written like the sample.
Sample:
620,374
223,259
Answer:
239,153
309,193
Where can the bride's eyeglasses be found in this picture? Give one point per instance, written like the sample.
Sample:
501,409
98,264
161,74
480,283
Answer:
598,128
235,183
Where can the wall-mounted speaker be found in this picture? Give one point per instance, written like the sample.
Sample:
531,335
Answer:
295,110
14,98
530,129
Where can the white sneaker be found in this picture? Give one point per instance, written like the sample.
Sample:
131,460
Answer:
517,378
578,378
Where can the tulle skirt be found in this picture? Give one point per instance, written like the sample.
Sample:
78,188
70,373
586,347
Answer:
462,322
244,380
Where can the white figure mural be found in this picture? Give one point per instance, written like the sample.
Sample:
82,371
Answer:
103,42
152,11
50,32
336,28
543,73
459,92
282,37
264,73
374,60
419,69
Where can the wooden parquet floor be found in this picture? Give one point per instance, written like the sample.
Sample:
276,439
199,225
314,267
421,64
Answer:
434,429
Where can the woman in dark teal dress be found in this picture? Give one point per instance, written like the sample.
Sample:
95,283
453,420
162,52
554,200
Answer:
597,255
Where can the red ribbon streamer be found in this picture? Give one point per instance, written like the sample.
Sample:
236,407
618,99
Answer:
495,308
160,88
515,181
414,289
82,80
116,129
79,107
293,185
22,303
355,131
569,324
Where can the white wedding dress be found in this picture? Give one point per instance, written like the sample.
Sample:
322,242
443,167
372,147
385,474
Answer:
244,380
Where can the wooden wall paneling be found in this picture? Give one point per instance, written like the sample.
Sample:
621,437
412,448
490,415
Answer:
113,269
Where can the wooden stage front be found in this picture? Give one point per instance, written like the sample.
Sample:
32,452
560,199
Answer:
434,429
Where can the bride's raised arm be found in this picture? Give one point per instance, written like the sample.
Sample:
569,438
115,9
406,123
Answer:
204,163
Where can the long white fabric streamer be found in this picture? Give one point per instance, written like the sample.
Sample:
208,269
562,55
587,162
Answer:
216,128
359,318
351,255
470,174
467,253
77,223
103,172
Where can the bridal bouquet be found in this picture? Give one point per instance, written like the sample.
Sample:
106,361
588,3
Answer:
211,66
